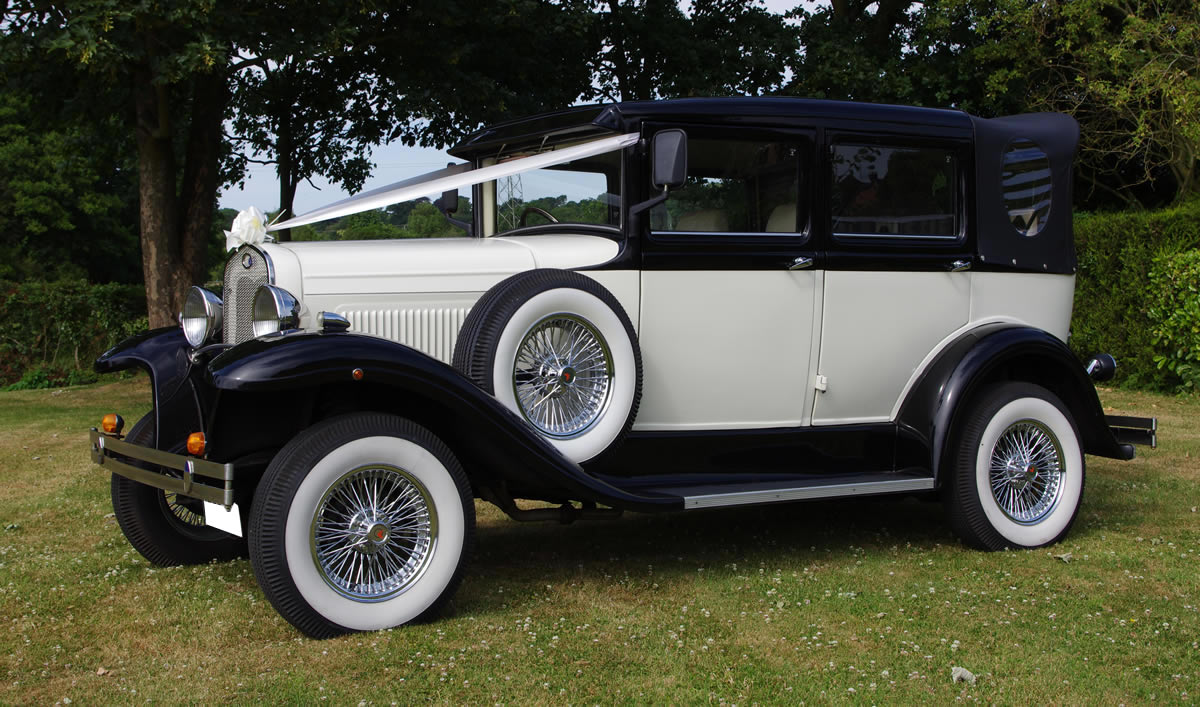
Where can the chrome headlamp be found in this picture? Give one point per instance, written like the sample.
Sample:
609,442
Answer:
275,309
201,316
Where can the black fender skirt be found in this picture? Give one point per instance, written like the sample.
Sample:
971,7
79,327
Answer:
997,353
301,360
178,399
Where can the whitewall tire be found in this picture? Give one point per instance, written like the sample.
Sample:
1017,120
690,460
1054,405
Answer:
1019,477
363,522
558,349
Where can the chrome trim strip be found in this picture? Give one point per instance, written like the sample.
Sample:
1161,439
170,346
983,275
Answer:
738,498
104,446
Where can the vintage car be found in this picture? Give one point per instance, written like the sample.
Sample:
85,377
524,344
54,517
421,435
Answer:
654,306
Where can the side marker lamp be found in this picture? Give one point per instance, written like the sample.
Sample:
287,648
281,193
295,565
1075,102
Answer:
196,444
112,423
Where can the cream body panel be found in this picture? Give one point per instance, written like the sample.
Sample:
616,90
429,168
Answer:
419,292
877,329
285,266
437,265
428,322
626,286
565,252
726,350
1037,300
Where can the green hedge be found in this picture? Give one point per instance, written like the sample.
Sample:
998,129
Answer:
1174,311
50,332
1113,295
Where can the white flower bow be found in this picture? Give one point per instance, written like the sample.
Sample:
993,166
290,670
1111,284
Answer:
249,228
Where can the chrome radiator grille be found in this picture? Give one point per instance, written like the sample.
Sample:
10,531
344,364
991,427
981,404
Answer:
432,331
246,270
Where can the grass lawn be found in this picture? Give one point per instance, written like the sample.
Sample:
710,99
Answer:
864,601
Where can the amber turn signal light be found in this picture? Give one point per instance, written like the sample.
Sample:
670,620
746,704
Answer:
112,423
196,444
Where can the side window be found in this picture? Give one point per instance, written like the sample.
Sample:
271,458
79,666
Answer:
1026,181
735,187
880,191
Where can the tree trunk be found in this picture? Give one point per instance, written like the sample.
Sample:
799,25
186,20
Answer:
198,198
285,167
156,195
174,253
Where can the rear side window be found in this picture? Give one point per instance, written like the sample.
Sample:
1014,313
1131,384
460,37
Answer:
1026,181
735,186
882,190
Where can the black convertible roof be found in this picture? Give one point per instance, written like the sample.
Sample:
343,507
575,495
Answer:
591,120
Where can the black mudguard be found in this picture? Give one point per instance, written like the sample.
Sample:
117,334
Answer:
294,362
178,384
998,353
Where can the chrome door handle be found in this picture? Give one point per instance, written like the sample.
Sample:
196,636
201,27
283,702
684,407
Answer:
801,263
960,265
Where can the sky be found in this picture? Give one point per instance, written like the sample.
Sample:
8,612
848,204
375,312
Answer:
392,163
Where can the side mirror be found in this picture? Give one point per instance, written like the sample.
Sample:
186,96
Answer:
447,203
669,167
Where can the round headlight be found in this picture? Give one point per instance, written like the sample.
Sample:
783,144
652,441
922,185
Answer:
275,309
201,316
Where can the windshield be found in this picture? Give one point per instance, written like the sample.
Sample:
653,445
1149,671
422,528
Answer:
583,191
576,183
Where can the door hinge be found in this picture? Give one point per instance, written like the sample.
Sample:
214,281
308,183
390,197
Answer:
820,383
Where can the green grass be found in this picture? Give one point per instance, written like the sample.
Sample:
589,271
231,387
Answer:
861,601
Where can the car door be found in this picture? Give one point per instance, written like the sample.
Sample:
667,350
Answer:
897,267
730,286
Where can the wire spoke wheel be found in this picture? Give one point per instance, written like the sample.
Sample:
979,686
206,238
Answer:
187,511
562,376
1026,472
373,533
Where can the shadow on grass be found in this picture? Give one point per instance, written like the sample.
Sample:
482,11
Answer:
677,544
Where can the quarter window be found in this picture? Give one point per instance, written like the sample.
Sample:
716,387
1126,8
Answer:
735,187
881,190
1026,184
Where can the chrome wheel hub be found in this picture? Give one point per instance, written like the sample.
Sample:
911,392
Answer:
1026,472
373,533
562,376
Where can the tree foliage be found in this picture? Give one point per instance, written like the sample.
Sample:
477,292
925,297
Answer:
1129,72
652,49
67,199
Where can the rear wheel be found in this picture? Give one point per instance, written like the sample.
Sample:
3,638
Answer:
1019,474
363,522
166,528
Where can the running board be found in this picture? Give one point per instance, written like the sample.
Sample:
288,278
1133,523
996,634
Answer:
801,493
784,490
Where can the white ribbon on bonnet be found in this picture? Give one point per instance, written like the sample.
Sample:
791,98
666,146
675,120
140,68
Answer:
249,228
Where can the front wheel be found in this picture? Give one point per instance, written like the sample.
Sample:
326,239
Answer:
363,522
1019,473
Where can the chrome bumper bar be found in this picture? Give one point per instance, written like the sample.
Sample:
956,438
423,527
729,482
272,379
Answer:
196,476
1134,430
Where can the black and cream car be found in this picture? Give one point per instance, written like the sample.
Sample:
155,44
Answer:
658,306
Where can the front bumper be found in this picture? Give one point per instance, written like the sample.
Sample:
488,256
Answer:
184,475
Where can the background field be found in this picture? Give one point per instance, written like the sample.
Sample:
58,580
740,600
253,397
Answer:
866,601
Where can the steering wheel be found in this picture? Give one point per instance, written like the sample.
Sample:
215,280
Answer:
535,210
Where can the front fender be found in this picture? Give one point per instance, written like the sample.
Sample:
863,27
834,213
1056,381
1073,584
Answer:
163,353
310,361
998,353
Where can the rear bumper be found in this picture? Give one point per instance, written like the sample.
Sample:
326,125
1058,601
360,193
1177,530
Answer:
184,475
